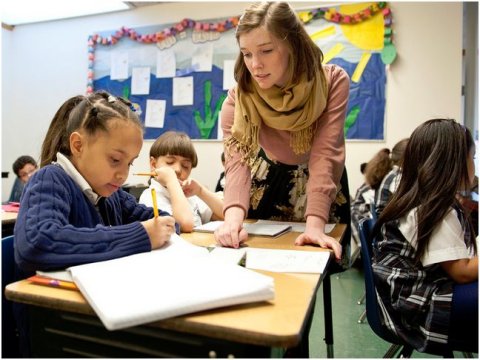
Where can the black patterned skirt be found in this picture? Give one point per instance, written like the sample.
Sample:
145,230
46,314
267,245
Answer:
279,192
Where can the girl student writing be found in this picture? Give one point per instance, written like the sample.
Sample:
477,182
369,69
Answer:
172,158
425,263
73,209
283,128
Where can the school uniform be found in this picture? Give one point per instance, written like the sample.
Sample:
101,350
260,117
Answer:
62,222
416,299
200,210
386,189
360,209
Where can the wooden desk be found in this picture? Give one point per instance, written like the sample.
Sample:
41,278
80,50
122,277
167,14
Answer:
8,222
63,324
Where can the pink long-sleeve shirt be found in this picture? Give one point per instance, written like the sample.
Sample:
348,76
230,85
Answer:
326,158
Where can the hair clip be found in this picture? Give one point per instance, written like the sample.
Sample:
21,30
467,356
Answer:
132,107
111,99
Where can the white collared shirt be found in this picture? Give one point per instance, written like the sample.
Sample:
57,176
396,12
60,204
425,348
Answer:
200,210
72,171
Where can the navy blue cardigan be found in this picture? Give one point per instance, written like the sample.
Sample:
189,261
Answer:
58,227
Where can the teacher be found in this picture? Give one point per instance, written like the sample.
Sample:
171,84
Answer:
283,128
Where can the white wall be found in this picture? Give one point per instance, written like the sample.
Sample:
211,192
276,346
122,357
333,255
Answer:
44,64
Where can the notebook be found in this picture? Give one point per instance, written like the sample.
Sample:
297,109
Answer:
260,229
165,283
296,226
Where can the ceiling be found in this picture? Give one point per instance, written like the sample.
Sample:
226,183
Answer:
20,12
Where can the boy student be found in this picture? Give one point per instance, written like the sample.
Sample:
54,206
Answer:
172,158
23,167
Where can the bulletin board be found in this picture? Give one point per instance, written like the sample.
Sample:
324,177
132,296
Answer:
177,75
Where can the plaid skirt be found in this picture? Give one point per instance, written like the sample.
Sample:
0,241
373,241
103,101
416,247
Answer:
279,192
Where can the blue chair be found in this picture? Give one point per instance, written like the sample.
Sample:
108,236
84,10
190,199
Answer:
373,211
373,309
10,341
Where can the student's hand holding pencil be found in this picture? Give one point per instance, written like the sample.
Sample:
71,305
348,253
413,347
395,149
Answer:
159,230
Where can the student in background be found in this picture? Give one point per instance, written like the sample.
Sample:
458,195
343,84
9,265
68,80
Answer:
23,167
283,128
360,207
390,181
73,210
172,158
425,260
221,180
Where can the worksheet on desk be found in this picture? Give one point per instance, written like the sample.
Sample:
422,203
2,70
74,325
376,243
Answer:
294,261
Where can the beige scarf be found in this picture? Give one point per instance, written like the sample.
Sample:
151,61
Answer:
294,108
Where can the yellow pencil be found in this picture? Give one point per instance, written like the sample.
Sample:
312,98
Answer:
155,206
146,174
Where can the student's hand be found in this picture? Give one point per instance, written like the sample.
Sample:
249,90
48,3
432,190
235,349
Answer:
166,175
159,230
191,187
232,233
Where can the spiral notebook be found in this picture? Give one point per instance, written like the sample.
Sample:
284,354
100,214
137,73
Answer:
165,283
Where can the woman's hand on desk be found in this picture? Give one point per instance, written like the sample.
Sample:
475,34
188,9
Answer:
315,234
159,230
231,233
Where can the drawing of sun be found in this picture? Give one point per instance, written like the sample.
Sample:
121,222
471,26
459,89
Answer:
367,35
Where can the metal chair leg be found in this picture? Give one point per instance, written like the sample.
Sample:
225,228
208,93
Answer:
392,350
362,299
362,317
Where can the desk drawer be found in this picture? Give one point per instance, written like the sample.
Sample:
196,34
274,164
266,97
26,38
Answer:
60,334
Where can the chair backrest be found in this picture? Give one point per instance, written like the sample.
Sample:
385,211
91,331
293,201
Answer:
8,261
373,211
10,347
373,308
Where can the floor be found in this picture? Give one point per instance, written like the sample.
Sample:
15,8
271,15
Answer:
351,339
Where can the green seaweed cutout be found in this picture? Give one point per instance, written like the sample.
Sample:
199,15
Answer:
206,126
351,118
126,92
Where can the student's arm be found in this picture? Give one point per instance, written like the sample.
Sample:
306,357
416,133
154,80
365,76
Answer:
463,270
58,227
192,187
181,209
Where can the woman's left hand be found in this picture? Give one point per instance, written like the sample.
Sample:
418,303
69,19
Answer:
320,239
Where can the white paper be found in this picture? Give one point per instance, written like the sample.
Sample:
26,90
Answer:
160,284
228,76
227,255
63,275
141,81
155,113
294,261
182,91
202,57
166,63
119,65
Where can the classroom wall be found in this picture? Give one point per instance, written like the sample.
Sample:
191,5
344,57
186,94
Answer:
45,63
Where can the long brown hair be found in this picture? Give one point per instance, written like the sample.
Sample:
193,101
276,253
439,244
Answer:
305,57
377,168
434,169
90,113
